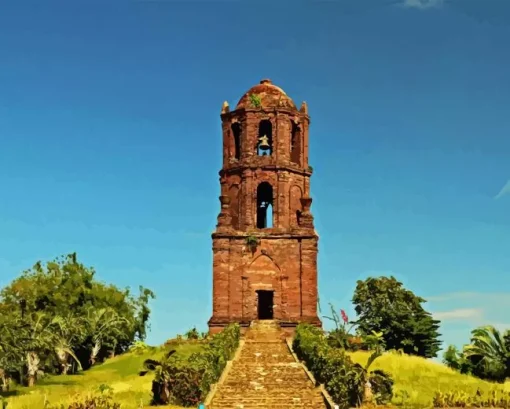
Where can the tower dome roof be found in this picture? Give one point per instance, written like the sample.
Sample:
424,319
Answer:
270,96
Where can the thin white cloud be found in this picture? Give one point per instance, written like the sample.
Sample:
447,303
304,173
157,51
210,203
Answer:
422,4
505,190
459,314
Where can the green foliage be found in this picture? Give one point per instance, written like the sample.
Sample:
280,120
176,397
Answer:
487,356
490,347
192,334
496,399
382,386
384,305
456,360
187,382
59,316
332,367
252,241
255,100
139,348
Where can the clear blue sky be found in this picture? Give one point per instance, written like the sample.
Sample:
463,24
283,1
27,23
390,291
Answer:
111,142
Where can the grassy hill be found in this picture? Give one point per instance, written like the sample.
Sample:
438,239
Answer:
419,377
119,373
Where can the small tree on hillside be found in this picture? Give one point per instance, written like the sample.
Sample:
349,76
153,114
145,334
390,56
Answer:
455,359
384,305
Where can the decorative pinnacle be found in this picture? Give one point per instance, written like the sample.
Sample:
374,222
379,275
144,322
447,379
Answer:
225,108
304,108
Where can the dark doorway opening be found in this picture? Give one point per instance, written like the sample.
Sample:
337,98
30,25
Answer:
265,306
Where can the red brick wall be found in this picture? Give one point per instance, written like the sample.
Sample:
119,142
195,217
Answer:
286,265
285,259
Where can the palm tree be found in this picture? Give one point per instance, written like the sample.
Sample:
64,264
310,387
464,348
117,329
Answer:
69,330
489,344
39,340
104,324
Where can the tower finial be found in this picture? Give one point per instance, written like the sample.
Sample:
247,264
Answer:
304,108
225,108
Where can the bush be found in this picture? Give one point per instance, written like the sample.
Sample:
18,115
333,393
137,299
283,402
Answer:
382,386
187,382
192,334
332,367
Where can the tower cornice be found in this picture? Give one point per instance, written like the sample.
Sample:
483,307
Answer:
242,113
240,168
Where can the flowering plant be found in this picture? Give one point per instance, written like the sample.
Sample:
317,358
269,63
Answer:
341,333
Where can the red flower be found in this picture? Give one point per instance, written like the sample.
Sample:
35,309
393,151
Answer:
345,318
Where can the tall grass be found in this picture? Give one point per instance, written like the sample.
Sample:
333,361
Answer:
417,379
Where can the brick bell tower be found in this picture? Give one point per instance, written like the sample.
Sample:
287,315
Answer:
265,243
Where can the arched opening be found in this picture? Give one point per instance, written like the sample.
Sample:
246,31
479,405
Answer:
295,143
236,133
265,139
264,205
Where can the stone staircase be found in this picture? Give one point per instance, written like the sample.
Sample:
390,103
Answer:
265,374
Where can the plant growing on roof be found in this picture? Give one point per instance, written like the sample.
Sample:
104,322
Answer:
255,100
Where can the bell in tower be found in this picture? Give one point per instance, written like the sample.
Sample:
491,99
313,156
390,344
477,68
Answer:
264,145
265,243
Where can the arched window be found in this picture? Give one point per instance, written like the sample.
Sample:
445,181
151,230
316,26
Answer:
236,133
265,139
295,143
264,205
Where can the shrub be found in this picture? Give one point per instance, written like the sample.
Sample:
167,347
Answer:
139,348
332,367
382,386
192,334
187,382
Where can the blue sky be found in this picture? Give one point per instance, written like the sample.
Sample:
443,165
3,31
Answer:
111,142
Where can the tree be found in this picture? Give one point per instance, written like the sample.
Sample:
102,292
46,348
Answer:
104,326
11,353
490,346
69,331
47,306
37,344
456,360
383,305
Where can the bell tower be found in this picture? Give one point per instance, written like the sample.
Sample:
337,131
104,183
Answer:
265,243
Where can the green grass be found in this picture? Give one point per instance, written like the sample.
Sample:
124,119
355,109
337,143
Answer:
119,373
421,378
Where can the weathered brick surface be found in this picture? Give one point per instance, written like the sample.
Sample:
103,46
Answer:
285,259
